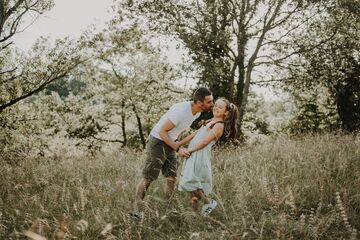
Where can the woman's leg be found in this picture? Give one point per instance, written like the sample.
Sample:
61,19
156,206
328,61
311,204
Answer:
194,201
199,193
196,196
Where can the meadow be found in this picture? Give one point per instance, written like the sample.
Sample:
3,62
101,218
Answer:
285,188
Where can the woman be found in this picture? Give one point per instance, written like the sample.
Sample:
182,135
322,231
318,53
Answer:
196,177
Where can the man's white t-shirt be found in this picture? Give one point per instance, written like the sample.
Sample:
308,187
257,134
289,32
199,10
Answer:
180,115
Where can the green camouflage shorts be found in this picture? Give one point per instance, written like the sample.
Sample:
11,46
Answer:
159,156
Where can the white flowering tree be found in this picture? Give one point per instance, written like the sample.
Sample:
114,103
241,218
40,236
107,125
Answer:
129,86
123,83
23,75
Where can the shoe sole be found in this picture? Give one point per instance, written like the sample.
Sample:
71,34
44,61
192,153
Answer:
209,209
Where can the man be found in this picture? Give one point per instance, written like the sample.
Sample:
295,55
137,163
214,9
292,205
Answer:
162,143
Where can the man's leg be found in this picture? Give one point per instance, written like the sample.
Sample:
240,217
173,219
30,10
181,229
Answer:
170,187
141,188
154,161
169,170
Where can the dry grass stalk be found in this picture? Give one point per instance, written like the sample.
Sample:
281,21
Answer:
36,226
106,232
321,192
33,236
290,201
220,223
83,199
302,222
342,212
179,203
353,234
99,219
194,236
312,217
127,222
276,195
82,225
318,210
267,191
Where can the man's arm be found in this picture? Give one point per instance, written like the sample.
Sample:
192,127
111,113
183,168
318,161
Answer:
164,134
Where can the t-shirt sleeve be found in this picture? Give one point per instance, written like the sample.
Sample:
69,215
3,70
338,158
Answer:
175,115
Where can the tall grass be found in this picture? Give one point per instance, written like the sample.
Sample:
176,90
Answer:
305,188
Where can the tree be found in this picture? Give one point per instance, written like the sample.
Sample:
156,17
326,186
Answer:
13,13
32,72
24,75
128,85
20,117
230,39
330,71
21,75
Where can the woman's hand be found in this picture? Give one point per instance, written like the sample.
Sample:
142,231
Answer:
183,152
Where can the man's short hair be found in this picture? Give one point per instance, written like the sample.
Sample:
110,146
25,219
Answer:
201,93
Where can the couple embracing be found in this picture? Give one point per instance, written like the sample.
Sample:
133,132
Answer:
162,147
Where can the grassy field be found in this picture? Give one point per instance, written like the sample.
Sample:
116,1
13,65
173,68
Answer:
303,188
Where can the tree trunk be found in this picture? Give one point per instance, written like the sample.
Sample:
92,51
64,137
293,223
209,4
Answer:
123,122
140,129
246,89
2,15
241,46
348,101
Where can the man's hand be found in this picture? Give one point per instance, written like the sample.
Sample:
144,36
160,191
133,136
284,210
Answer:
183,152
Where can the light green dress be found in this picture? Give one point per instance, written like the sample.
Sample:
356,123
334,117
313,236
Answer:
196,170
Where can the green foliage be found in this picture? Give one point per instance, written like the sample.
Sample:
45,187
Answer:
27,117
64,87
348,98
314,114
23,75
133,83
325,81
13,13
255,120
228,40
299,188
114,97
33,71
31,127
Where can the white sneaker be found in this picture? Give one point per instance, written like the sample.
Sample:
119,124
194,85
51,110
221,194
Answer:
207,208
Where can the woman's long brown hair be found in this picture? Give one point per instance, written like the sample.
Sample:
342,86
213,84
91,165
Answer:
230,121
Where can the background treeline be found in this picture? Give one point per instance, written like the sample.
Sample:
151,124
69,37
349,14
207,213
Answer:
111,85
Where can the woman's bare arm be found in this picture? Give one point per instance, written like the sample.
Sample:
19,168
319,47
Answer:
215,134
